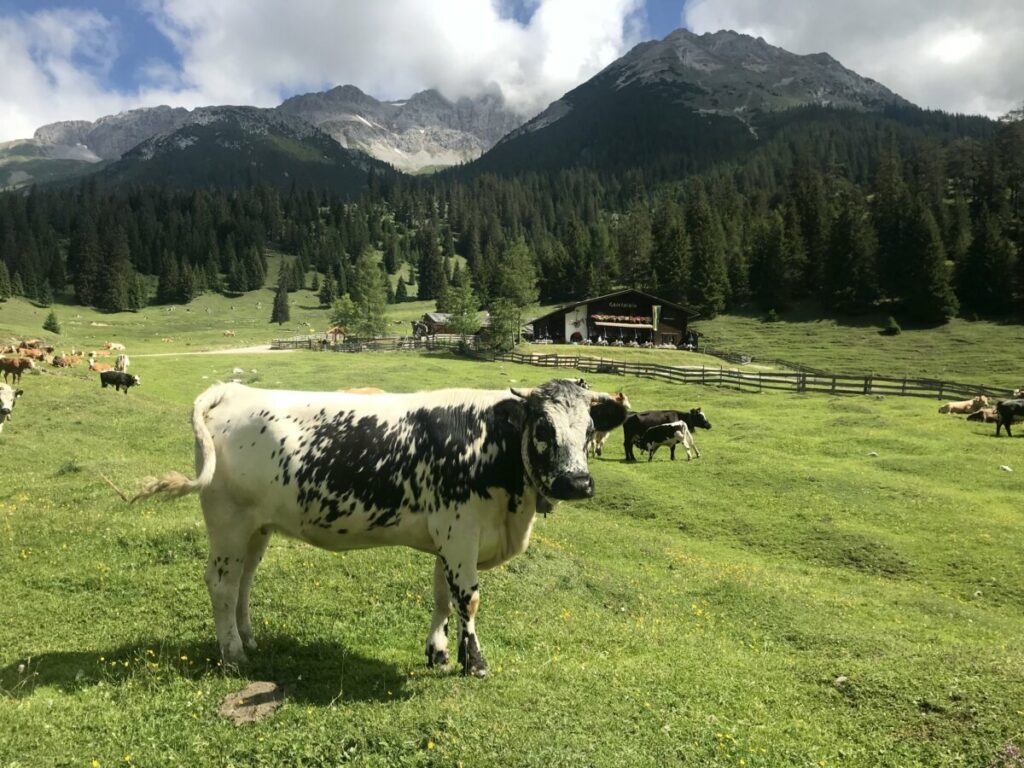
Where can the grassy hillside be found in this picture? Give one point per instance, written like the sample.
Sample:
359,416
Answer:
789,599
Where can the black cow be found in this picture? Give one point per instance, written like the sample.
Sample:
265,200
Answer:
1006,411
119,380
637,423
458,474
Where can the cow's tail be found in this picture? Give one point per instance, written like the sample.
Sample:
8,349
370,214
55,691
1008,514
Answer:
176,484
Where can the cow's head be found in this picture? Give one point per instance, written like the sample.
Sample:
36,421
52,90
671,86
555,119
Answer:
698,419
135,381
555,435
7,398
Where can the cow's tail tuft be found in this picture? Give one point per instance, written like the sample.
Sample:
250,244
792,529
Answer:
176,484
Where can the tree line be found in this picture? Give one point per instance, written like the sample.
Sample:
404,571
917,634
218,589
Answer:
855,212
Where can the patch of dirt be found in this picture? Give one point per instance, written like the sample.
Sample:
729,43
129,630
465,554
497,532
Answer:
257,701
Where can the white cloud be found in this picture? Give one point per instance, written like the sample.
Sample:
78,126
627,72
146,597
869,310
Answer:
943,54
260,51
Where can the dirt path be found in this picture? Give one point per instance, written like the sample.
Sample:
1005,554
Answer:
261,349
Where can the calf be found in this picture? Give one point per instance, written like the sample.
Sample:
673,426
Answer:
458,474
13,367
637,423
607,416
1006,412
671,435
119,380
7,398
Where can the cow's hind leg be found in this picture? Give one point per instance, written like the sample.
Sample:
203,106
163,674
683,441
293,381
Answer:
253,556
229,547
437,640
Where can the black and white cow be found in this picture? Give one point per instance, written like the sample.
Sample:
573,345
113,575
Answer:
118,380
636,424
607,416
1006,412
667,435
8,396
459,474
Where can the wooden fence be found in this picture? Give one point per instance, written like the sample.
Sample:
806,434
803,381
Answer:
808,379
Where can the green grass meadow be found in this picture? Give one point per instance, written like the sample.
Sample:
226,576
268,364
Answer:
789,599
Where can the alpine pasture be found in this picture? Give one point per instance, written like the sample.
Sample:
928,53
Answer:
837,581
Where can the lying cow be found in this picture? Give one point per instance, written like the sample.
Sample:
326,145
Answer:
607,416
965,406
1006,412
14,367
99,367
114,346
7,398
670,435
458,474
636,424
118,380
985,415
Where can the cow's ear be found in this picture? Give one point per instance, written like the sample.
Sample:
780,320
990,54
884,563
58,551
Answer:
523,392
19,392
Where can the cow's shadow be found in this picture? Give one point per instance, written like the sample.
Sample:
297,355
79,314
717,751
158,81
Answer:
314,673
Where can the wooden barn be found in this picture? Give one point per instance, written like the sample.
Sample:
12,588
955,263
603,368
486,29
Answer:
627,316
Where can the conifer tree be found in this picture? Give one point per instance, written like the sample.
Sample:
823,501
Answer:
85,254
929,295
401,292
708,278
850,271
117,274
281,312
328,291
985,278
370,297
51,323
17,288
5,282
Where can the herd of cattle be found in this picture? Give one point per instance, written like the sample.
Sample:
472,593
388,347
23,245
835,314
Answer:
979,409
31,352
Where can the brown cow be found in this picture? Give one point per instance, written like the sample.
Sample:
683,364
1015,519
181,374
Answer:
985,415
965,406
66,361
115,346
35,354
15,366
100,353
229,333
100,367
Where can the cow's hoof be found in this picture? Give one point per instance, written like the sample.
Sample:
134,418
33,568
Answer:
477,671
250,644
437,657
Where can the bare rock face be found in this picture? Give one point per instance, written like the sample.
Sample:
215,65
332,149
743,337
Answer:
426,130
110,137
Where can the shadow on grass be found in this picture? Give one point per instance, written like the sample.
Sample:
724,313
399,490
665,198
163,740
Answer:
312,673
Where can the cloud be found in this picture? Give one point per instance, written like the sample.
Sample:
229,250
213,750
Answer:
943,54
261,51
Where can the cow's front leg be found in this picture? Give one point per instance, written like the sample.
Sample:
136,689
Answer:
461,574
672,451
437,640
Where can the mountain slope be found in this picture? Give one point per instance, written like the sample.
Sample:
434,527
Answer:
111,136
238,146
686,94
27,161
426,130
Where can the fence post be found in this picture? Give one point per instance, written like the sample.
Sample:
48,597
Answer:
942,385
904,390
833,385
867,384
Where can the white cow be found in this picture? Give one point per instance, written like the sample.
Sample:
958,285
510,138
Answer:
121,363
7,399
457,473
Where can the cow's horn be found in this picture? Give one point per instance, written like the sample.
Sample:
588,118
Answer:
523,392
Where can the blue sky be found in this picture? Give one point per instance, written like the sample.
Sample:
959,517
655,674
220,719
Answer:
81,59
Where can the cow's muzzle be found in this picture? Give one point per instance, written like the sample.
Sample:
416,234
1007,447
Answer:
579,485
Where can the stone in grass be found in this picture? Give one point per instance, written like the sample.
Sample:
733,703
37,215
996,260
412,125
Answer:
1005,468
257,701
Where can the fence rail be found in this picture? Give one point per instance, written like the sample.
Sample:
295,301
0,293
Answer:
803,379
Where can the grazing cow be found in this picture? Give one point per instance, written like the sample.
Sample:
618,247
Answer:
637,423
458,474
607,416
114,346
672,434
13,367
985,415
119,380
7,398
1006,412
99,367
121,363
965,406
